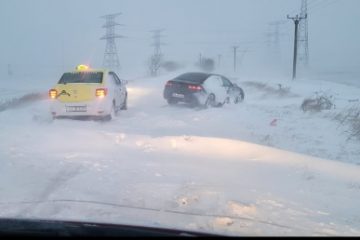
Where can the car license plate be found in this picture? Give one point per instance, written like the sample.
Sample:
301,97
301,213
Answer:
176,95
76,109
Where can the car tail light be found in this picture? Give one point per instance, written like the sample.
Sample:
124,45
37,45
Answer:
101,92
53,93
195,88
168,84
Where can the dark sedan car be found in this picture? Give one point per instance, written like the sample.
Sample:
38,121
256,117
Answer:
202,89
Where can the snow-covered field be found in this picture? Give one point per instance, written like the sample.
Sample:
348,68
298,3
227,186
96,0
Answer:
263,167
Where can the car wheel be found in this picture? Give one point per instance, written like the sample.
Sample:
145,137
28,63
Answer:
124,106
112,115
172,101
210,101
240,98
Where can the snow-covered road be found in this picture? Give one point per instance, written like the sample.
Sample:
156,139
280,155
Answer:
222,170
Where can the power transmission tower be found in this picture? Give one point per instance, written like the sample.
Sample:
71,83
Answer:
111,57
303,38
274,36
156,58
296,20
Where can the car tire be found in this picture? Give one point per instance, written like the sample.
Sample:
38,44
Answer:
240,98
210,101
124,106
112,115
172,101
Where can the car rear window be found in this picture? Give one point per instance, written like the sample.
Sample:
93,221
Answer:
81,77
198,78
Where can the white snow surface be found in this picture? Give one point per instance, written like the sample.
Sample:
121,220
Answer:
223,170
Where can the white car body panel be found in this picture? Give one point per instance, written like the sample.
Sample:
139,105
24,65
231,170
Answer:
214,85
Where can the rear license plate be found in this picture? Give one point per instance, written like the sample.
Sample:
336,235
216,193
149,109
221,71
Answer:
76,109
176,95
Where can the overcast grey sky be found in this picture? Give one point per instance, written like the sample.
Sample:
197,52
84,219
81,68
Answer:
48,33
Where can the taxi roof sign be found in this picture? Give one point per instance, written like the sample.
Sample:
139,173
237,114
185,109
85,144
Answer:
82,67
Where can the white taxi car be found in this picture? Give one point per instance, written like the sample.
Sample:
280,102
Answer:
88,93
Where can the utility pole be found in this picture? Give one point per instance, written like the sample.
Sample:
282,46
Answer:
235,48
200,59
296,20
156,58
111,57
303,38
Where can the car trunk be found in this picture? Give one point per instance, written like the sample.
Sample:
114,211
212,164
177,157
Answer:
76,92
181,87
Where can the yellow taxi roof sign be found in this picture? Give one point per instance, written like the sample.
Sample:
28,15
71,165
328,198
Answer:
82,67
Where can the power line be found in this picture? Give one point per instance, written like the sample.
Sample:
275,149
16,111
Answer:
322,5
311,4
314,6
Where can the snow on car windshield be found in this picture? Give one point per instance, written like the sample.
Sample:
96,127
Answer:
261,137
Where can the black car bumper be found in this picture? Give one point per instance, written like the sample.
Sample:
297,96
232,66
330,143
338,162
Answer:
189,98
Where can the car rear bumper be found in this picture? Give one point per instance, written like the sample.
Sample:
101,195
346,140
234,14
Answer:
191,98
100,107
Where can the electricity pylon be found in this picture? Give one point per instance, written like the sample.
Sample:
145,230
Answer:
303,38
111,57
274,37
157,57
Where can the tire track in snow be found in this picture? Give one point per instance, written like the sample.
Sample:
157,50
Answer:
60,180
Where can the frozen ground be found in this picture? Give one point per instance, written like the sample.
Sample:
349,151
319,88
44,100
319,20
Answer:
226,170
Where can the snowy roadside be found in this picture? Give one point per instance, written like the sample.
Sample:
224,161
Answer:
319,134
16,92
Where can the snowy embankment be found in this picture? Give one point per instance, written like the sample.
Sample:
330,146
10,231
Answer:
167,166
